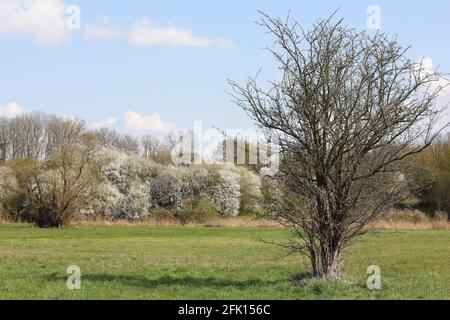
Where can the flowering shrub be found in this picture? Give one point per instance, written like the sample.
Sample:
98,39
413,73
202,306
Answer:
122,169
9,191
122,186
125,192
135,204
8,182
195,182
165,189
226,194
173,185
105,201
251,195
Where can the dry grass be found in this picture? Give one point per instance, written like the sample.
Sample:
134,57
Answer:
234,222
3,218
426,225
225,222
405,219
413,220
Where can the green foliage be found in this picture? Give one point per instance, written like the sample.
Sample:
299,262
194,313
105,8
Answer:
197,211
435,174
13,196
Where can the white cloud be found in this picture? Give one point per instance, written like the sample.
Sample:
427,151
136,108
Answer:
428,68
44,20
11,110
108,122
136,122
103,28
425,67
145,33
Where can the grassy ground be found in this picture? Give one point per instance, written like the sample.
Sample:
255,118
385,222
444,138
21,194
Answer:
210,263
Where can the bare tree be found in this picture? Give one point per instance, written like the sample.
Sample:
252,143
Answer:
111,139
57,188
151,146
4,141
23,136
349,110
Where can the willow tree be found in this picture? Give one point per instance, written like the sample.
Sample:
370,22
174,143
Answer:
349,110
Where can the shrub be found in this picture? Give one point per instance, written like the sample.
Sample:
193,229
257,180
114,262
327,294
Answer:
127,185
122,169
173,185
194,182
196,211
54,190
135,203
226,194
11,197
53,197
166,188
161,214
105,201
250,188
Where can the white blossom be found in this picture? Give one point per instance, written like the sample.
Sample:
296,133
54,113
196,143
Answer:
8,182
226,194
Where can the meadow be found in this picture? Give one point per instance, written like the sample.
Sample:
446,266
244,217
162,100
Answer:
138,262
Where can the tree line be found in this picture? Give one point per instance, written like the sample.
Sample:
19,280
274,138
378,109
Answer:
55,169
34,136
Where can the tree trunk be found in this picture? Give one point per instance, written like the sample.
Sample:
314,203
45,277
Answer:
46,219
331,264
326,264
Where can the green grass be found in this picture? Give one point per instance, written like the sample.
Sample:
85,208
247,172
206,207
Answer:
210,263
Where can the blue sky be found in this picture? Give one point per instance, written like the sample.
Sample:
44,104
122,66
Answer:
115,70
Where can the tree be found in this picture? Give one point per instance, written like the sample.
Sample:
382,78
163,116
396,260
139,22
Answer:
239,151
349,110
155,149
64,183
111,139
434,172
23,136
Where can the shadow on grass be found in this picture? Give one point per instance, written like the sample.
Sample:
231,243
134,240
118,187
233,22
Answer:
144,282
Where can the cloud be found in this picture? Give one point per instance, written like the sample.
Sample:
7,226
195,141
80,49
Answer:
428,68
103,28
425,67
11,110
152,122
145,33
108,122
44,20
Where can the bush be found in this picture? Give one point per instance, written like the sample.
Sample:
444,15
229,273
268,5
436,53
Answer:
251,195
161,214
116,185
126,187
135,204
226,194
166,189
105,201
173,185
196,211
11,197
50,192
15,177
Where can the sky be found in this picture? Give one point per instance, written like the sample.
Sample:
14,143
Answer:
150,66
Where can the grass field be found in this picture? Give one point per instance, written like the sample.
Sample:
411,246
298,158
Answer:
133,262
